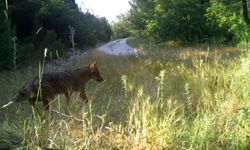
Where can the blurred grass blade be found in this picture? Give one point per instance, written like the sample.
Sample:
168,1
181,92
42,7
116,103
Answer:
6,5
39,30
7,104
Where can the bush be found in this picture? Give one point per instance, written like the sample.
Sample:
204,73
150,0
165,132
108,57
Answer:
224,20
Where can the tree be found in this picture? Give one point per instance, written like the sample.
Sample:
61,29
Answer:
6,33
166,20
44,23
245,12
122,28
23,16
189,20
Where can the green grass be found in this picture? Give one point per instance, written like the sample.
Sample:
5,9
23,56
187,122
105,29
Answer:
193,97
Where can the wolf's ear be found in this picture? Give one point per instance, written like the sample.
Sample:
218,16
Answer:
92,65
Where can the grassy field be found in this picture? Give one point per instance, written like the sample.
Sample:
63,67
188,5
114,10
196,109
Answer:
173,97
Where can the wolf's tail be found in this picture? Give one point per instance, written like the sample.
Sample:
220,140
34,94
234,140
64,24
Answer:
15,98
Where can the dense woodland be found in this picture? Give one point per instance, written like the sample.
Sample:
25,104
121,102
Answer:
40,24
222,21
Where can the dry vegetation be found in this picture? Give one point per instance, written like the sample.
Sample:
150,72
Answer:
193,97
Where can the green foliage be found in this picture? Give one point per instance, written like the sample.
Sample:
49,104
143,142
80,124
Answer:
121,29
59,15
27,53
6,33
52,42
171,20
188,21
23,15
44,23
226,19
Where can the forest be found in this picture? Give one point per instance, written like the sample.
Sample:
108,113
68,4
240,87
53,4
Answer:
39,24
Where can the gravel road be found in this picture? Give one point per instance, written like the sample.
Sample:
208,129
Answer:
118,47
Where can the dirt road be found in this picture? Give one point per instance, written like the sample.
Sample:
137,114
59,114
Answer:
118,47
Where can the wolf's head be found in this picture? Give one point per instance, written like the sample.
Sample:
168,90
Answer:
94,72
26,92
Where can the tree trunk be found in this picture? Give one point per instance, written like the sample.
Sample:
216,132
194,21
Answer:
245,12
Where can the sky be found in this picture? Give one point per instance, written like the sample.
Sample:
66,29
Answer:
105,8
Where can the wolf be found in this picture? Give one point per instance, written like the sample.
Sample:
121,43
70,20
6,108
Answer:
49,85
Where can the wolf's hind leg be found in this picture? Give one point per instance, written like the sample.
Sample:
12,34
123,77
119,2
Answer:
83,96
67,95
32,102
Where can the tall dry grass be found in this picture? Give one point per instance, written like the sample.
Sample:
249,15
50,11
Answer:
170,98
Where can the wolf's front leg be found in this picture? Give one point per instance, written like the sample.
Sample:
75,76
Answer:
46,103
83,96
